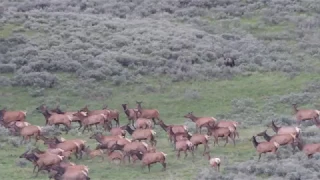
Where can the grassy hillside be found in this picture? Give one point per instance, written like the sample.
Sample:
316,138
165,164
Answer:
168,54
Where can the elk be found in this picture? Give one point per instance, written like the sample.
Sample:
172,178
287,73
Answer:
55,119
285,129
200,121
76,172
130,113
95,112
106,139
144,134
197,139
15,126
148,113
76,146
174,129
151,158
264,147
114,114
48,160
127,148
214,162
94,153
10,116
308,149
115,155
306,114
184,146
117,131
224,132
142,123
281,139
74,118
57,151
229,123
28,131
87,121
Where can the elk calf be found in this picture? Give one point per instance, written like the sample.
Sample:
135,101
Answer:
214,162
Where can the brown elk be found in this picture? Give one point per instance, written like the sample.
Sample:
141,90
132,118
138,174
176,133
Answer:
174,129
96,112
308,149
117,131
127,148
130,113
285,129
198,139
115,155
75,145
306,114
28,131
148,113
10,116
228,123
200,121
55,119
94,153
74,118
214,162
142,123
281,139
104,140
48,160
76,172
184,146
144,134
264,147
151,158
223,132
114,114
88,121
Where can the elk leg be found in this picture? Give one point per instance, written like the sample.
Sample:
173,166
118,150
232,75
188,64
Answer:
149,167
233,139
80,125
34,168
164,165
293,148
84,128
217,140
205,147
96,126
154,122
227,139
259,156
178,154
185,154
237,134
22,140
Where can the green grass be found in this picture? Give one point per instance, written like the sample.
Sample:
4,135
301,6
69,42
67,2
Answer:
8,29
215,98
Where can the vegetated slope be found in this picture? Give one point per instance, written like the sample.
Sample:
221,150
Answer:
126,42
120,40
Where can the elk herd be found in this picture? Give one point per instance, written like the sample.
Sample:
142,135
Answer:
142,144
